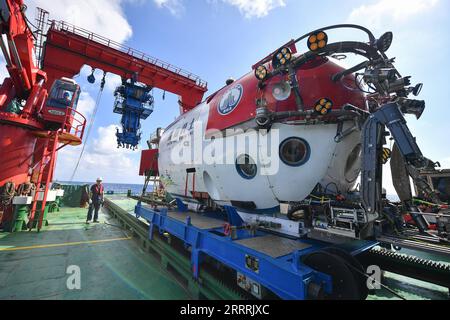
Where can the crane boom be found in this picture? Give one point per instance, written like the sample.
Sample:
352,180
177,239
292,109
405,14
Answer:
68,48
26,77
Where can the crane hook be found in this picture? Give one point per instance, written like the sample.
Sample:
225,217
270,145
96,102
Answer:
91,78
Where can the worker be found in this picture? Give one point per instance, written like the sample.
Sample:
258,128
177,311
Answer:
95,200
67,99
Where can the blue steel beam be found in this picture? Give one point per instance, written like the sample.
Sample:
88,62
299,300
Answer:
284,276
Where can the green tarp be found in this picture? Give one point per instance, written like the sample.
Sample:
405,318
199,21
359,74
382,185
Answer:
75,196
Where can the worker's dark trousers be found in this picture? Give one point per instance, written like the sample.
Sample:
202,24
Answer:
94,206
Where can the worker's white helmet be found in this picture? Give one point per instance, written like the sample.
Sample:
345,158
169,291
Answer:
100,179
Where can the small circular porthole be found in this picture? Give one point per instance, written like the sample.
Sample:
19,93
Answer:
295,152
246,167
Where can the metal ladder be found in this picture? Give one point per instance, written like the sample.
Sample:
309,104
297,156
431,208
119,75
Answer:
48,160
42,26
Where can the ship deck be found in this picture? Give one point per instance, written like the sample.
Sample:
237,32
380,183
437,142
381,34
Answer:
113,265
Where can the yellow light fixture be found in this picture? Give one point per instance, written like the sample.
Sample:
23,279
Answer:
282,57
318,40
323,106
261,73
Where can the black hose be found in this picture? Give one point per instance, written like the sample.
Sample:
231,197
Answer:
372,39
359,48
333,114
338,76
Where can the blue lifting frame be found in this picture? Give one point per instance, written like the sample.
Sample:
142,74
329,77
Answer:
134,102
285,276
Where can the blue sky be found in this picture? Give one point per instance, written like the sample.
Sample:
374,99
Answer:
217,39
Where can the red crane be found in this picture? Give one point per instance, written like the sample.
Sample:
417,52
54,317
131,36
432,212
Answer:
38,104
68,48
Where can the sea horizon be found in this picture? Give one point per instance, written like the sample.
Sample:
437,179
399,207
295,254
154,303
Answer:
118,188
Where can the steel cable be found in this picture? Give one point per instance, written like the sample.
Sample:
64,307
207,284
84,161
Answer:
91,125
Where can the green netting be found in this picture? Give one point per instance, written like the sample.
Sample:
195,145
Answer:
75,196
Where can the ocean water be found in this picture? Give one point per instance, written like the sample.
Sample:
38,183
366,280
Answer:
116,188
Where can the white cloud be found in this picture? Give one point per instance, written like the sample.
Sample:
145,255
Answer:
86,104
445,163
256,8
378,13
101,158
104,17
175,7
112,82
107,142
248,8
3,71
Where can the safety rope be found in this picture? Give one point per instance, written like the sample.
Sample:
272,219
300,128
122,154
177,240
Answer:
26,189
91,125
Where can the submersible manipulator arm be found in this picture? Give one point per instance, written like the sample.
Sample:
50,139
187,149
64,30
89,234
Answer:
390,116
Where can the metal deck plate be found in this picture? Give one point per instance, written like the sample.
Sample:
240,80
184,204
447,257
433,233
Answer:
197,220
273,246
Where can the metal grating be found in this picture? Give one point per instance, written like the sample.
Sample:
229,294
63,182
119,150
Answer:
273,246
197,220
